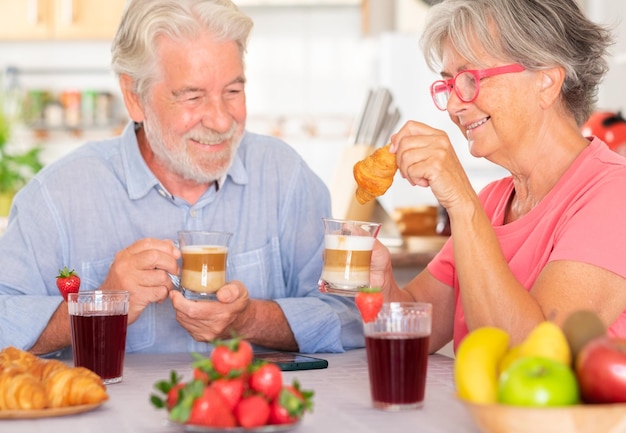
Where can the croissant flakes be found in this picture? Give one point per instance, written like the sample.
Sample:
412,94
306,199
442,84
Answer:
28,383
374,174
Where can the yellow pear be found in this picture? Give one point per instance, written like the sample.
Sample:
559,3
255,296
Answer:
546,340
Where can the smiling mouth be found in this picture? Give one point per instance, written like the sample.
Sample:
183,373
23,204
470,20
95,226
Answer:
205,142
474,125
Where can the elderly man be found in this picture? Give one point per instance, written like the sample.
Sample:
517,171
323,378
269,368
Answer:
111,209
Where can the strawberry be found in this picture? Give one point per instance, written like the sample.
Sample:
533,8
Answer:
203,369
201,375
369,301
67,282
290,404
252,411
266,378
173,395
201,404
210,410
234,354
231,390
171,390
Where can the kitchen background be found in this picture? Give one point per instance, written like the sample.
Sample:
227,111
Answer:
310,66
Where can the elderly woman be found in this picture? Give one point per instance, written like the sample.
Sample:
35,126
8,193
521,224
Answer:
519,78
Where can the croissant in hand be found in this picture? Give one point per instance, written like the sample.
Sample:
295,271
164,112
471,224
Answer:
374,174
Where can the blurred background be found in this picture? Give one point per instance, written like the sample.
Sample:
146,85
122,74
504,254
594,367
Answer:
310,67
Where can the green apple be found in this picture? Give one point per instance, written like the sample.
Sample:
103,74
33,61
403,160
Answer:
537,381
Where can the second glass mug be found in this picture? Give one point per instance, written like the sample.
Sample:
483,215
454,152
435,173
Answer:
204,257
347,255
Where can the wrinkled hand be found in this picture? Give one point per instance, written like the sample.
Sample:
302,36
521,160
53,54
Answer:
142,269
426,158
208,320
381,273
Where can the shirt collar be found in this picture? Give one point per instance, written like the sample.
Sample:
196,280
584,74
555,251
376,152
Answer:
140,180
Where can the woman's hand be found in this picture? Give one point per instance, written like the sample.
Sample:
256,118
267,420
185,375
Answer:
381,273
426,158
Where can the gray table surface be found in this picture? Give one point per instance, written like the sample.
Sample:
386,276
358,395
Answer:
341,401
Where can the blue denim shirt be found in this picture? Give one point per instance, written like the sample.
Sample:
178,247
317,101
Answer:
82,209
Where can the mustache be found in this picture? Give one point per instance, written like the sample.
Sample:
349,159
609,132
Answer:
210,136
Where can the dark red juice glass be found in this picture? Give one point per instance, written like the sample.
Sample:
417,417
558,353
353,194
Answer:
396,343
397,368
98,322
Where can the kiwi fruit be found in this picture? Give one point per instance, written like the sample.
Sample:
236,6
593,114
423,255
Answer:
580,327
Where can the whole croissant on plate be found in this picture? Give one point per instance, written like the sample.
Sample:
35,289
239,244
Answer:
20,390
14,357
28,382
374,174
74,386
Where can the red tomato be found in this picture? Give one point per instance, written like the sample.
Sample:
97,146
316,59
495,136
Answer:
210,410
266,379
232,355
252,411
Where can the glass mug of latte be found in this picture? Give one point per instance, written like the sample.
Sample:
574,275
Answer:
347,255
204,255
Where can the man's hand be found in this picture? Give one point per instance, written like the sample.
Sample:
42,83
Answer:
208,320
142,269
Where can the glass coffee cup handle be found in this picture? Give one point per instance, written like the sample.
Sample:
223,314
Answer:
175,280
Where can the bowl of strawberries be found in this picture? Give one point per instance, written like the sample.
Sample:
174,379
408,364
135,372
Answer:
233,392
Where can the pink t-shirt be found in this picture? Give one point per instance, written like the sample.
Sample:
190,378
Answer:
583,218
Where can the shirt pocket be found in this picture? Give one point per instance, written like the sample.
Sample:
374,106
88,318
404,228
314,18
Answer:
260,270
139,335
93,273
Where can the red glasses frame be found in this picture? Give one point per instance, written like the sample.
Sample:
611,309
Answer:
441,88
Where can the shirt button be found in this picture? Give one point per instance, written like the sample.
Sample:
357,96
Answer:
192,213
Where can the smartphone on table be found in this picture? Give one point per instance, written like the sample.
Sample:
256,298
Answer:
289,361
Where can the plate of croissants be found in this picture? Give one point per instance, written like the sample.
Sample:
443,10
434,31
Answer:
32,387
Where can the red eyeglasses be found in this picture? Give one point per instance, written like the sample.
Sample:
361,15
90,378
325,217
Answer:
466,84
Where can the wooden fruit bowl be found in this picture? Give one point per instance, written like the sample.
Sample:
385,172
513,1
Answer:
592,418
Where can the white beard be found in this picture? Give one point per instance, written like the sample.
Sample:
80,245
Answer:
172,151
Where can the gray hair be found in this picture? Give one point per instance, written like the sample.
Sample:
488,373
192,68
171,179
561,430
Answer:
133,50
538,34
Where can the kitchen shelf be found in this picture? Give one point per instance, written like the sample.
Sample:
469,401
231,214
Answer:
56,71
